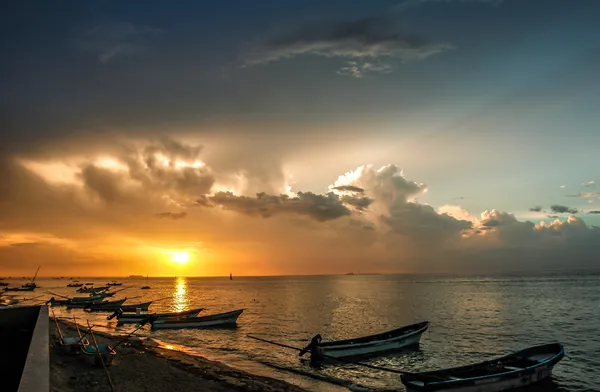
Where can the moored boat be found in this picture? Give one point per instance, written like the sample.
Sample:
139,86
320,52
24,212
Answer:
367,345
512,371
133,308
92,290
75,285
213,320
106,306
114,284
58,302
134,318
22,288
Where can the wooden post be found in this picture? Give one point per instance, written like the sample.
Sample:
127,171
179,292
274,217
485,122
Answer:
112,388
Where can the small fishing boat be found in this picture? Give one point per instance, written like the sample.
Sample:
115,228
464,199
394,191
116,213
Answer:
75,285
3,284
133,308
22,288
146,286
92,298
134,318
92,290
114,284
90,354
213,320
367,345
105,306
516,370
58,302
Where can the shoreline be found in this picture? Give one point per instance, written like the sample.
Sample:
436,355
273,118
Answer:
141,367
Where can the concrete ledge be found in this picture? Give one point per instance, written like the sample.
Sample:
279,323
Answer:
36,374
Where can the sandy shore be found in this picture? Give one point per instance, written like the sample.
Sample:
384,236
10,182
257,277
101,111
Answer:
140,368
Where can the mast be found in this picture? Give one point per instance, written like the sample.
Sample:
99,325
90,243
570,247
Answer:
36,272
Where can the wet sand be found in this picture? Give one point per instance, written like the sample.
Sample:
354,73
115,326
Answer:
140,368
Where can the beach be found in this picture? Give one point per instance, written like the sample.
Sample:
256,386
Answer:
139,367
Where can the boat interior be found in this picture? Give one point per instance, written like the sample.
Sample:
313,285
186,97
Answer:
515,362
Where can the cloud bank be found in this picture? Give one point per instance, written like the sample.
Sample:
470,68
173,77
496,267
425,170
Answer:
73,211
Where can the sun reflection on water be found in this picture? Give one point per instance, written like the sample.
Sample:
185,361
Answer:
181,299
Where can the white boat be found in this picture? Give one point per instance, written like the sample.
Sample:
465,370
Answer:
517,370
134,318
367,345
213,320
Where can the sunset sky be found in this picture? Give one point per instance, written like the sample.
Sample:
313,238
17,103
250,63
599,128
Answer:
305,137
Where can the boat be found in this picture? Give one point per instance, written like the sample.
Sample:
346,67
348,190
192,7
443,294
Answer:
22,288
146,287
58,302
32,284
114,284
213,320
105,306
75,285
133,308
90,354
91,298
3,284
92,290
367,345
512,371
134,318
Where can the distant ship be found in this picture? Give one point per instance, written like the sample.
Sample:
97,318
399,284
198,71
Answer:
136,276
230,276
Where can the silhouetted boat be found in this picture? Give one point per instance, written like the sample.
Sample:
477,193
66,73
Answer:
213,320
146,287
3,284
92,290
58,302
134,318
105,306
75,285
23,288
513,371
367,345
133,308
114,284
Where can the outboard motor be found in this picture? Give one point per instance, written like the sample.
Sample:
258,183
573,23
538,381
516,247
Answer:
314,342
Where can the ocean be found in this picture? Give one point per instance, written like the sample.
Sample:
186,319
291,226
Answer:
472,319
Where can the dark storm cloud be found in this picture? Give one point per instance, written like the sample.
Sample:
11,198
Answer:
360,203
104,183
348,188
535,209
172,215
556,208
318,207
372,37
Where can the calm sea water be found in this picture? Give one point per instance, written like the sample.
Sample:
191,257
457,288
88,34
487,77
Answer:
472,319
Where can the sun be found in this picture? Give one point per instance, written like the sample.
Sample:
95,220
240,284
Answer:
180,257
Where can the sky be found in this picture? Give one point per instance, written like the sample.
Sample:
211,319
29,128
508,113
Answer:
312,137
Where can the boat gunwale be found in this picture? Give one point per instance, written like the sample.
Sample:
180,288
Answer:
131,315
552,360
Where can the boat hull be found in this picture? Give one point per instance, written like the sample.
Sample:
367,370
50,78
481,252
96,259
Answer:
379,344
504,373
94,360
138,318
212,321
133,308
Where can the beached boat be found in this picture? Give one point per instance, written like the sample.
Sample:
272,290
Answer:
513,371
133,308
367,345
213,320
91,356
105,306
134,318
